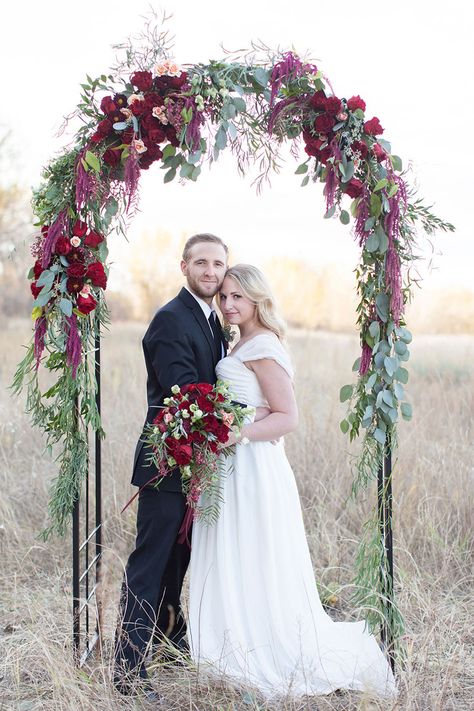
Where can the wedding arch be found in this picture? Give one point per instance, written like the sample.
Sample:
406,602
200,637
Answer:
148,110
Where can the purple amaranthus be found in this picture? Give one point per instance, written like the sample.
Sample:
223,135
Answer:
289,67
131,176
392,263
86,183
40,332
73,344
55,230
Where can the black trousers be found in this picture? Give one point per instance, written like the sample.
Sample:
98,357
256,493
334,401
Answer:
151,589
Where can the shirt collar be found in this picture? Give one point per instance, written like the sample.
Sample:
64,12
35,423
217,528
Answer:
207,310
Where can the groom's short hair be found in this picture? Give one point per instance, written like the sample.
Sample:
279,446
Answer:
202,237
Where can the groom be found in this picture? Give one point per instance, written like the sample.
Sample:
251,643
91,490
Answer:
182,345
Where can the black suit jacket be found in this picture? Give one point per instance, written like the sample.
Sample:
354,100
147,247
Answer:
179,349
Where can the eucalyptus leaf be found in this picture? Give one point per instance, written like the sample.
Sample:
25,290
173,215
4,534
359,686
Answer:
330,212
401,374
42,298
170,175
305,181
168,151
66,307
381,305
344,425
221,139
387,397
239,104
374,330
399,391
400,347
369,224
356,365
397,163
196,173
301,169
406,410
186,170
380,435
372,242
46,277
383,240
345,392
261,76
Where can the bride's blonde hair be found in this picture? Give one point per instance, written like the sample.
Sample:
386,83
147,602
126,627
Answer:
256,288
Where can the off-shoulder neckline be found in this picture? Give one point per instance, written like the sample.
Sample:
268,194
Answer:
251,340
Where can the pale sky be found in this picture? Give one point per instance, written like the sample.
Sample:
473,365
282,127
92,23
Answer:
410,61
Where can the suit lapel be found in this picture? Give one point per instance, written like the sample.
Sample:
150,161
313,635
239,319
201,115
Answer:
198,314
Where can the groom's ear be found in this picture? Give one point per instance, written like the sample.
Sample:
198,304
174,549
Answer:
184,267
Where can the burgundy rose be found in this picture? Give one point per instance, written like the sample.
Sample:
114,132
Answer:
35,290
76,270
79,229
108,105
153,99
120,101
93,239
76,255
138,108
333,105
323,123
142,80
74,285
104,127
318,101
354,188
96,273
63,246
156,135
178,82
183,454
37,269
315,144
355,102
86,304
379,152
97,137
112,157
373,127
361,148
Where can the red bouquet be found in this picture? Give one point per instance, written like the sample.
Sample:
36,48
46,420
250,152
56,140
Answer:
187,433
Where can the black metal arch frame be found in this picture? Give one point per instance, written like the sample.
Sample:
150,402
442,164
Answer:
88,553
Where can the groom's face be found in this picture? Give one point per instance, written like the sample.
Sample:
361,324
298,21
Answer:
205,269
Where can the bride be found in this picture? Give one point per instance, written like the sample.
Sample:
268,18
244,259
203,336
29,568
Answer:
254,611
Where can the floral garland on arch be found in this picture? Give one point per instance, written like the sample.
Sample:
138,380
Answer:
151,111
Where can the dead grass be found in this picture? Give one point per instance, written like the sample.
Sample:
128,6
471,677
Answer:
433,485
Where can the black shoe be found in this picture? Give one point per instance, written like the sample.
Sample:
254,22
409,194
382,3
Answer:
142,691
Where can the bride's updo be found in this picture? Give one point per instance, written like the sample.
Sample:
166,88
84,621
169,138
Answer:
256,288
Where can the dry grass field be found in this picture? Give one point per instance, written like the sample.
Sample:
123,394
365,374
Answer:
433,487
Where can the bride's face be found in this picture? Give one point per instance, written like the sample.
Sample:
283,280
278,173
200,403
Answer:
237,308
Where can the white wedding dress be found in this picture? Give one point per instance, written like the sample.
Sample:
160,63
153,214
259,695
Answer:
255,616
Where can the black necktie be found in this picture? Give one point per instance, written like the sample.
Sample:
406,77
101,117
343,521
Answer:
216,333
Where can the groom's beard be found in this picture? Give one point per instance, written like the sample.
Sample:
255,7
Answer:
198,290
